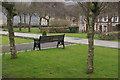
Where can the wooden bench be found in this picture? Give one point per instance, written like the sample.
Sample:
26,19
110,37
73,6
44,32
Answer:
44,39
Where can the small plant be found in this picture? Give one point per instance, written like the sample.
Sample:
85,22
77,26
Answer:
44,33
74,29
54,31
26,50
4,30
3,54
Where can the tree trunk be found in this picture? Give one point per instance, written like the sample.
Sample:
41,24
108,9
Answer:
40,18
11,35
24,21
86,28
90,65
20,23
29,28
47,22
119,11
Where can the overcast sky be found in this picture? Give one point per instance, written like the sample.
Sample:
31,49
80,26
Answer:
34,0
68,1
61,0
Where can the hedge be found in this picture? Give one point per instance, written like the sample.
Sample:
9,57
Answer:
74,29
55,29
109,35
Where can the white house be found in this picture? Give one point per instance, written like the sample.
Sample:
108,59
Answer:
103,24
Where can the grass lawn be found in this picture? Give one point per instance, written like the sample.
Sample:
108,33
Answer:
37,31
78,35
25,30
5,40
61,63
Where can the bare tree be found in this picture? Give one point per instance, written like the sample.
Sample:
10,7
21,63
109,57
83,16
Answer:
58,10
19,9
39,10
76,13
119,11
31,12
42,10
50,9
23,9
91,10
11,12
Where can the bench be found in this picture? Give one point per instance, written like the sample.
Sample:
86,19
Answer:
44,39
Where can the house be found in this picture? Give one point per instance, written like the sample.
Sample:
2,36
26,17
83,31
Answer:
1,22
103,24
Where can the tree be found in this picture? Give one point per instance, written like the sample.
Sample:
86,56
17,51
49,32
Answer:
11,12
19,8
23,9
76,13
30,11
119,11
39,10
92,10
43,9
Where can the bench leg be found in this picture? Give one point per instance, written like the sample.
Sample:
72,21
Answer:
58,44
39,47
34,46
63,44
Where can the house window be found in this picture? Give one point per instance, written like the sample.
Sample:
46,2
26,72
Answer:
100,19
115,19
105,18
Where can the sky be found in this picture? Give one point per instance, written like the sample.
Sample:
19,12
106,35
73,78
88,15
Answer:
68,2
34,0
61,0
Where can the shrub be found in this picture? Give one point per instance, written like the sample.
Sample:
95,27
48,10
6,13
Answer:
55,29
4,30
60,23
3,26
109,35
44,33
98,32
118,27
74,29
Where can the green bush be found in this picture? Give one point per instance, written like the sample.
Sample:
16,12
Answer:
74,29
44,33
109,35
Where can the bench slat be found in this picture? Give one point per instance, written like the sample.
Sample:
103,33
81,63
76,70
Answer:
44,39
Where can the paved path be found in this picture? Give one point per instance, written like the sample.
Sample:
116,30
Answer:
29,46
111,44
102,43
18,34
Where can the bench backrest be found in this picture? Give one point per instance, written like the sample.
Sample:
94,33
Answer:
54,38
